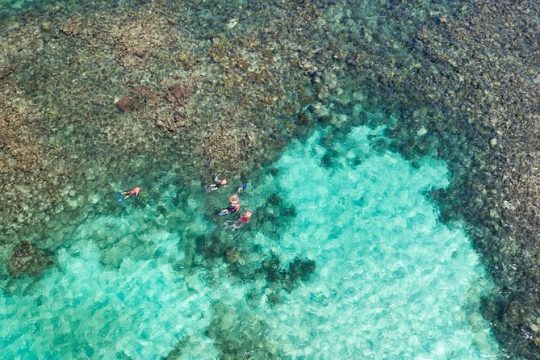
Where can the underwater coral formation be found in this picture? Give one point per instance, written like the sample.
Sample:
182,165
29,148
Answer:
127,104
463,83
178,94
239,336
225,87
26,259
5,71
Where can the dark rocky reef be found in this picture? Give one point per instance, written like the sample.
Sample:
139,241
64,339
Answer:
26,170
5,71
178,94
287,278
240,336
27,259
176,353
127,104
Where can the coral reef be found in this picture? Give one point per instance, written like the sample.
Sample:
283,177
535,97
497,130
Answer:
464,86
127,104
298,269
240,336
5,71
178,94
26,259
27,174
222,88
20,150
140,38
500,107
228,149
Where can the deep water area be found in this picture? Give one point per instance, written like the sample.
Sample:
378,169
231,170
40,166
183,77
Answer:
389,149
373,265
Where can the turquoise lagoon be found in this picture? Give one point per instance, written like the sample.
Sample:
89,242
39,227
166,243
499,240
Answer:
391,281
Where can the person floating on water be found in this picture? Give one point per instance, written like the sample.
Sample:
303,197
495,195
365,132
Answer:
238,223
234,206
218,183
131,192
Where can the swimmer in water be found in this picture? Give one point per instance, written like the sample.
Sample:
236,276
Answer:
132,192
234,206
218,183
238,223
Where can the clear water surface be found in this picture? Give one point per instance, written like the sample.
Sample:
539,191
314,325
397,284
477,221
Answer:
390,281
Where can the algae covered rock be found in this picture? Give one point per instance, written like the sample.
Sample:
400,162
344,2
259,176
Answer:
27,259
172,122
72,26
127,104
178,94
226,148
241,335
5,71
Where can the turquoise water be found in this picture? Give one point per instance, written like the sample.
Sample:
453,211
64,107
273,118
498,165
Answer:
390,281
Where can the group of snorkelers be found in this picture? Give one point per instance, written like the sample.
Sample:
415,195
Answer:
219,182
234,204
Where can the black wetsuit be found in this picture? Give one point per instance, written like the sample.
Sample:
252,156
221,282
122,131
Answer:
232,209
228,210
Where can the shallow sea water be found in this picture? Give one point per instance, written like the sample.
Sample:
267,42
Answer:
390,282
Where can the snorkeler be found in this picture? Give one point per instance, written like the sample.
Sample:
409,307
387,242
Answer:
131,192
218,183
234,206
231,209
238,223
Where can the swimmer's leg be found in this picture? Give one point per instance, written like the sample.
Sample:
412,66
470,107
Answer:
222,212
228,224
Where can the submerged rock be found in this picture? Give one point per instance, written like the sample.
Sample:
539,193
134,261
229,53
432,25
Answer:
27,260
127,104
178,94
71,27
233,255
301,269
46,26
172,122
240,335
5,71
225,149
271,267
